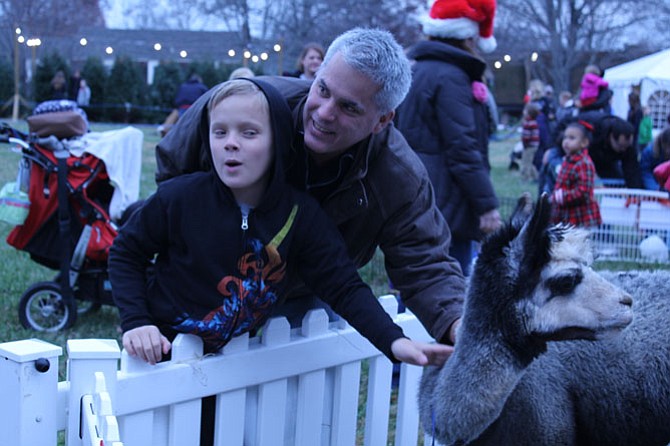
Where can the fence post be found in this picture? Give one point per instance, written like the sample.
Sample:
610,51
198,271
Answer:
29,380
85,357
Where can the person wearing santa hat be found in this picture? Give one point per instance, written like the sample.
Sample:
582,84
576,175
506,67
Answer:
445,118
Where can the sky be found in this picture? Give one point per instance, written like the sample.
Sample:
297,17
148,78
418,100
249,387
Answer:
115,18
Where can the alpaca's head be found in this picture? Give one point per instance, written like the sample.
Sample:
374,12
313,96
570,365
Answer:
533,283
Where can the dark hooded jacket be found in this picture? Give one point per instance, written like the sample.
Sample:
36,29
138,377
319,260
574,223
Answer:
219,274
449,129
385,200
189,92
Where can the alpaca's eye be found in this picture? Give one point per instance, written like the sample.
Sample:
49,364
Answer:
564,283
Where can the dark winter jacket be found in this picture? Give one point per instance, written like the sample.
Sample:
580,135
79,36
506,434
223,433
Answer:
189,92
385,200
449,129
219,273
608,163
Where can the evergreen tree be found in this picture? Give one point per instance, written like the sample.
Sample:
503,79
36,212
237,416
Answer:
6,87
44,72
125,91
167,78
96,75
210,75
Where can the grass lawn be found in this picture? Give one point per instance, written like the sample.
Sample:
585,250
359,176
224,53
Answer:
18,272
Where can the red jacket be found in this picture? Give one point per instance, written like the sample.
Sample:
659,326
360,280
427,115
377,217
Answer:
576,178
662,175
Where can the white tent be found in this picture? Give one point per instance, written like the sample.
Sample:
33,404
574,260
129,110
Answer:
652,73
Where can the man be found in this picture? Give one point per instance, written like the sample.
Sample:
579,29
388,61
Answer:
360,168
611,149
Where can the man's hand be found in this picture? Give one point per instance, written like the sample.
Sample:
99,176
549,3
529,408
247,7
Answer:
490,221
146,343
420,353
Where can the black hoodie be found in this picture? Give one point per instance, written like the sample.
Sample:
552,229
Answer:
217,279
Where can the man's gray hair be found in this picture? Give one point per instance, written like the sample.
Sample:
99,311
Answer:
376,54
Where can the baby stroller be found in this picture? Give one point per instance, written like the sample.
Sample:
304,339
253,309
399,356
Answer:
68,228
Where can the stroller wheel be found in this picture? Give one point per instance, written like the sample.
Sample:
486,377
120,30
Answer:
43,308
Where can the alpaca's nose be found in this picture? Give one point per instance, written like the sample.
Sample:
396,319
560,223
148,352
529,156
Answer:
626,300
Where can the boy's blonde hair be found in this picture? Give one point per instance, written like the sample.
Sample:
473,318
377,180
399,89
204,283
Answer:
241,72
237,87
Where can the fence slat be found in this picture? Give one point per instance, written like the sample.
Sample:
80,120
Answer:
378,403
230,418
345,396
407,418
184,423
309,413
139,430
271,413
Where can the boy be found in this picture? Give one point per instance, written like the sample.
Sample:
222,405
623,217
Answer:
223,241
530,137
573,194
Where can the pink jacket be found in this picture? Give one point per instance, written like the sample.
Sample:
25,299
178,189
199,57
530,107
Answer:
662,175
591,85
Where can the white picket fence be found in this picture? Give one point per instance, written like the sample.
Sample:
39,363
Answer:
631,218
286,387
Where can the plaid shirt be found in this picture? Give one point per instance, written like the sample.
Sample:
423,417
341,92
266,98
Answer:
576,178
530,133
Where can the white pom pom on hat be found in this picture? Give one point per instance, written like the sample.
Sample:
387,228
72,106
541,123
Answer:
462,19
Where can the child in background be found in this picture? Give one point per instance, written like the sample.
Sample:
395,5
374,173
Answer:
223,243
573,197
644,132
530,138
594,94
551,165
662,175
653,155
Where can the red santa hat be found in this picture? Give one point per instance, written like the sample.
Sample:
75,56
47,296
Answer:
462,19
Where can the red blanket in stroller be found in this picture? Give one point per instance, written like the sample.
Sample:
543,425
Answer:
89,195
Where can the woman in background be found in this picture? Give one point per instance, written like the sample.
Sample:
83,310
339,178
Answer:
309,61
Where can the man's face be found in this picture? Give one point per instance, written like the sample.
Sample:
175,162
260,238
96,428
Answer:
622,143
340,110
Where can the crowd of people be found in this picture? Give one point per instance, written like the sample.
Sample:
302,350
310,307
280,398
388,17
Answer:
75,89
621,152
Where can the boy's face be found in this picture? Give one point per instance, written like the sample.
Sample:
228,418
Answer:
340,110
574,141
240,138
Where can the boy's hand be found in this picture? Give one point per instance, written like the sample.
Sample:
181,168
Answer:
146,343
420,353
558,196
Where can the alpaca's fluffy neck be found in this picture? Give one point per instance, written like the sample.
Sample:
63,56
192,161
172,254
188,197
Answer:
474,385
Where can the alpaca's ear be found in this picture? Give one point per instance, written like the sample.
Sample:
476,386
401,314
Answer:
530,248
523,211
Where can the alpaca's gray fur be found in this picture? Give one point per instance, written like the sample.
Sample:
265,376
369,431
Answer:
505,385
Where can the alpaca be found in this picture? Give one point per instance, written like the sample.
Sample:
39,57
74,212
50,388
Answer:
607,382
